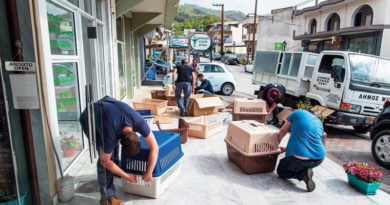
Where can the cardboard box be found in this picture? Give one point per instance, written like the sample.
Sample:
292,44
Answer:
249,105
251,136
201,128
169,91
318,110
202,104
172,100
156,106
158,94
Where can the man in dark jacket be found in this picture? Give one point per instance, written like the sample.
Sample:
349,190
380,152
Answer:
117,123
205,85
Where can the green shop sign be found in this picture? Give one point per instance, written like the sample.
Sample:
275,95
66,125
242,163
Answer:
278,46
65,104
64,79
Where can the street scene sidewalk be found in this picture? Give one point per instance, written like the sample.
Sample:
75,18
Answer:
209,177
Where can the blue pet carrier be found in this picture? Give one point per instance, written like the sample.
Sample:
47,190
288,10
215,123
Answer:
169,153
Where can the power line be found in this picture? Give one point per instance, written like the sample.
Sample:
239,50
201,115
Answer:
280,21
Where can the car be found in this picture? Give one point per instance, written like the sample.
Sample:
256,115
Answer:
249,67
217,56
380,135
161,66
230,60
219,76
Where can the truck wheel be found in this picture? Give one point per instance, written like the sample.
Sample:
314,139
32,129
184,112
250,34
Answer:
227,89
380,148
361,128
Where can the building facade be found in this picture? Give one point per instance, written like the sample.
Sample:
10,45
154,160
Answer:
232,37
81,48
277,28
348,25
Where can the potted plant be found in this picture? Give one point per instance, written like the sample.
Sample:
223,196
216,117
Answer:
69,145
11,199
364,177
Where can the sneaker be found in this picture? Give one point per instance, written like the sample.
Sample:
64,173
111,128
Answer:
308,179
181,113
184,114
112,200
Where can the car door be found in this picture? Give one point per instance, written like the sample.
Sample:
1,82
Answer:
215,74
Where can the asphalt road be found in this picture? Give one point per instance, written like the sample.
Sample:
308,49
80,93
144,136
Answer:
343,143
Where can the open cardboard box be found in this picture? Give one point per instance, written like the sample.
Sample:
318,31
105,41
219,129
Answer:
203,104
318,110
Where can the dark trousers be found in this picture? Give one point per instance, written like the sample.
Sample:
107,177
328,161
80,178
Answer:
105,177
294,168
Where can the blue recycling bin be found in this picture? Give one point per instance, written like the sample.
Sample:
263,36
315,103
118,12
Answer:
152,73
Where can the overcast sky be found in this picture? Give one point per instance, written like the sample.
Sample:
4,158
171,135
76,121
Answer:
246,6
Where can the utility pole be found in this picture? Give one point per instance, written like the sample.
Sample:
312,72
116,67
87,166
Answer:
222,21
254,32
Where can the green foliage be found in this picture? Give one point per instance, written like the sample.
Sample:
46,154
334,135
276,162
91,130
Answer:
244,62
190,16
201,11
70,142
304,106
221,52
229,51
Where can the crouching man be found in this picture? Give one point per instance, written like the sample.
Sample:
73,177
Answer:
304,149
117,123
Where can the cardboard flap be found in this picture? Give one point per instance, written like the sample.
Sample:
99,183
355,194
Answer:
284,114
208,102
319,110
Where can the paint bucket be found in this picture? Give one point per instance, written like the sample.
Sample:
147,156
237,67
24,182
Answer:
65,188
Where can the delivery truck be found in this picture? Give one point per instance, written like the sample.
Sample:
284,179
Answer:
355,85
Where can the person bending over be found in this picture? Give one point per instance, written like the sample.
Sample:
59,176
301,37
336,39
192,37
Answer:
273,95
305,149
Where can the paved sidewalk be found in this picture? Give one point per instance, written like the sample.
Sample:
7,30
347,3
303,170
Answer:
209,177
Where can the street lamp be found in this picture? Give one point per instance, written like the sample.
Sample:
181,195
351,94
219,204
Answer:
222,21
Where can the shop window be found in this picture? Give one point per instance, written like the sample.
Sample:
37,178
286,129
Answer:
363,16
99,9
333,22
362,44
75,2
88,6
313,26
61,30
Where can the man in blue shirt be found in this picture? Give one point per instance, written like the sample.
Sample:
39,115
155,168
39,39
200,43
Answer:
305,149
205,85
115,123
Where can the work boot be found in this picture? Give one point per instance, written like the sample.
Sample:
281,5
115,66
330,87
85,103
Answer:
184,114
181,113
112,200
308,179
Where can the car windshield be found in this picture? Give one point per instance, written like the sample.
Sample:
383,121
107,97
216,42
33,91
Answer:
370,69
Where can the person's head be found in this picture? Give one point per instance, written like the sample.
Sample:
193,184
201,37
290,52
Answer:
184,61
201,77
274,95
130,142
194,61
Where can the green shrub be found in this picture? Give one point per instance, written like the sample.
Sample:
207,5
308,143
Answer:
244,62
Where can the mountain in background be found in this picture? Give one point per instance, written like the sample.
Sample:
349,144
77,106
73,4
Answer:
196,10
190,16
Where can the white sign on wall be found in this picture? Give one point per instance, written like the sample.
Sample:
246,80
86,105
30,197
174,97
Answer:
200,42
20,66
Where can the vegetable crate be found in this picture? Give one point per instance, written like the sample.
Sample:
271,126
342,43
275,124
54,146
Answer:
155,105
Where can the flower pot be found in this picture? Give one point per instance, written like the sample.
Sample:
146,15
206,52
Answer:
362,186
15,202
68,152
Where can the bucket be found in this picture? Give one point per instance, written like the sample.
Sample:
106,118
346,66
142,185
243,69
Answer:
65,188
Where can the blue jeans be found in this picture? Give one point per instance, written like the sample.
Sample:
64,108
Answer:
186,88
105,177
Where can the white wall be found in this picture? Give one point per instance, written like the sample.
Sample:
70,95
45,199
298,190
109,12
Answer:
385,48
281,29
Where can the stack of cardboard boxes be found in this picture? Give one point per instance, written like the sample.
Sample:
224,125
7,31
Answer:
199,106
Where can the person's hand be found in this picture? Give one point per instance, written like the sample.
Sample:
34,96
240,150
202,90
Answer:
193,90
147,177
131,178
174,86
282,149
